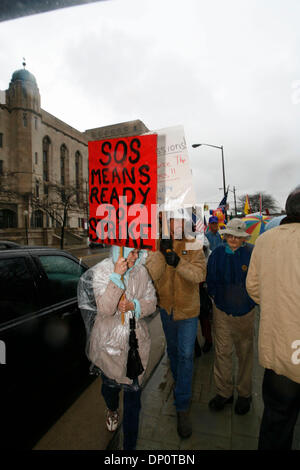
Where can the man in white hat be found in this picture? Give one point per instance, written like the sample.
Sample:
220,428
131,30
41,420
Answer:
233,317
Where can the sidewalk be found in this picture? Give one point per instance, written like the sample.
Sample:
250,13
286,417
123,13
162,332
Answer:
211,430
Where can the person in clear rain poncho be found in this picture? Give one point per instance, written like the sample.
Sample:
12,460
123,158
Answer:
113,297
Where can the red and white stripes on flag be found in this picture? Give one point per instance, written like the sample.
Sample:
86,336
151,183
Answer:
200,226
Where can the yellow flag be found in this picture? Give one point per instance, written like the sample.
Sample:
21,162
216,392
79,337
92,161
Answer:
247,208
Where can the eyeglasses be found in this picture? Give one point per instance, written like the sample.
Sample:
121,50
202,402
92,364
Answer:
233,236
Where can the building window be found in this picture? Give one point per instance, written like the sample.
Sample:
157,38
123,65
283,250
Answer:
8,219
36,158
46,148
37,188
1,140
62,169
24,119
37,219
63,154
77,175
35,123
1,167
45,165
77,169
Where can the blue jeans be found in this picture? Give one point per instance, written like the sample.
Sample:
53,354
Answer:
131,409
180,336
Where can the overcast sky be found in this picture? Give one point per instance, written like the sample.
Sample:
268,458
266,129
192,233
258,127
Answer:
227,70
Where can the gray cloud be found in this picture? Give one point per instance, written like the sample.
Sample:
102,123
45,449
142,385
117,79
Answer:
228,71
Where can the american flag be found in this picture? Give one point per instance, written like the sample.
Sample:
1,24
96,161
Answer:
199,224
223,204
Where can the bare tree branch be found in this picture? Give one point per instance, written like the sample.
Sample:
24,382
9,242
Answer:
268,202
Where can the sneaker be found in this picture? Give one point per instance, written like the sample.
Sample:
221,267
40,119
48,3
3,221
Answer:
184,427
112,420
242,405
219,402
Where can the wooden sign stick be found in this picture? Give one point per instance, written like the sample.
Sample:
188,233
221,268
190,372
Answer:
123,295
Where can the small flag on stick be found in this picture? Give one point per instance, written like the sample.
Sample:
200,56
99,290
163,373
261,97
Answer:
247,207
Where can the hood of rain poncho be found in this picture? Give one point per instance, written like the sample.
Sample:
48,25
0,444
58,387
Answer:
115,253
95,280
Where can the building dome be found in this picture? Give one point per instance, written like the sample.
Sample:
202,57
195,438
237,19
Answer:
23,91
24,76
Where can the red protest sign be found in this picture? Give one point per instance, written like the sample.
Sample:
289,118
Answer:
122,191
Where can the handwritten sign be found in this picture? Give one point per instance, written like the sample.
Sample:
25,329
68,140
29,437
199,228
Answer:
123,189
174,178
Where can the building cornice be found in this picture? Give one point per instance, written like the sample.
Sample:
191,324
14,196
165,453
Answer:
42,116
63,124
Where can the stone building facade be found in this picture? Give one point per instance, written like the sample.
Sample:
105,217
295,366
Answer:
40,154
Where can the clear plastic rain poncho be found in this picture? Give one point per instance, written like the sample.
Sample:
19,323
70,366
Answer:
107,337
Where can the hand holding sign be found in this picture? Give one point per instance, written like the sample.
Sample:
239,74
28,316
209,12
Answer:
172,258
121,266
125,306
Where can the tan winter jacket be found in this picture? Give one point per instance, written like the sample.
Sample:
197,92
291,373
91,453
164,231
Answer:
109,339
273,281
178,288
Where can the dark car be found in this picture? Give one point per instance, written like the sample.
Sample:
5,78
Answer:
43,366
8,245
97,245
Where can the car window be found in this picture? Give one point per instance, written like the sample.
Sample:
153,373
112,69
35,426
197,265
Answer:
17,290
63,275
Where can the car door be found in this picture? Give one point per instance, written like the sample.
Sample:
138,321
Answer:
19,375
63,330
44,337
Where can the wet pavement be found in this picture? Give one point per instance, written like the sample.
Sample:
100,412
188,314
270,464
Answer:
82,426
222,430
89,256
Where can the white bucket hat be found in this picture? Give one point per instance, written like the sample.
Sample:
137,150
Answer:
237,228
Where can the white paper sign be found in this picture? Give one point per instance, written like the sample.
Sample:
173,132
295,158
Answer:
174,178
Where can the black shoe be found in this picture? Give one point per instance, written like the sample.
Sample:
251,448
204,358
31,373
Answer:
184,427
219,402
197,349
242,405
207,347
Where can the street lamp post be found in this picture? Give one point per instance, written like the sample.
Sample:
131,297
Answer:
223,166
233,191
234,201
